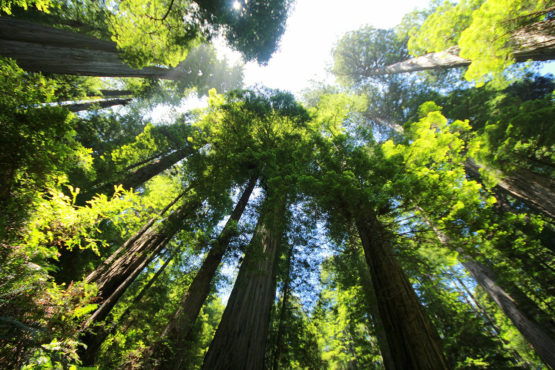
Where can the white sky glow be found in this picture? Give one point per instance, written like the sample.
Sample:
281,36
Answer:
313,28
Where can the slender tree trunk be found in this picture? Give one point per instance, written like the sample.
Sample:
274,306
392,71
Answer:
95,104
102,333
140,250
536,335
141,175
179,328
115,93
40,48
535,42
240,341
106,264
412,340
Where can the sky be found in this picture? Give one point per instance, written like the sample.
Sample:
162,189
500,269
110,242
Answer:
313,28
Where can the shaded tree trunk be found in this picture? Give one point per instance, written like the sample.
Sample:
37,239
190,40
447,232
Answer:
115,93
283,311
536,191
535,42
179,328
95,104
536,335
240,340
412,340
40,48
372,301
141,248
137,177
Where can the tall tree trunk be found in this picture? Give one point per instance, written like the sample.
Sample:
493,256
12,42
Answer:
139,176
40,48
115,93
107,263
240,341
283,311
535,42
95,104
179,328
536,191
372,301
412,340
93,345
538,336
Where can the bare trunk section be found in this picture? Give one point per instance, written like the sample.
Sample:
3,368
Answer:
94,342
95,104
139,250
240,341
536,335
372,301
179,328
536,191
535,42
105,265
412,340
283,311
136,178
40,48
115,93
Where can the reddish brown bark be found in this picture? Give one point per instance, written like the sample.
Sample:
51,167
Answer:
412,340
240,340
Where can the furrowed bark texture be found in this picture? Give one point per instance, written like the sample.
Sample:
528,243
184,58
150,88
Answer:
94,342
283,311
95,104
412,340
40,48
240,341
536,191
179,328
534,334
377,323
535,42
538,336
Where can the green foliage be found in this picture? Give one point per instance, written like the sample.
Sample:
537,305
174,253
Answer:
38,144
8,5
482,29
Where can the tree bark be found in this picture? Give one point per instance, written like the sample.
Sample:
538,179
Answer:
536,335
377,323
412,340
136,178
536,191
40,48
94,342
283,311
240,340
179,328
140,250
542,343
95,104
115,93
535,42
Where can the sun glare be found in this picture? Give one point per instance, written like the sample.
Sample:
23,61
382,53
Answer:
236,5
